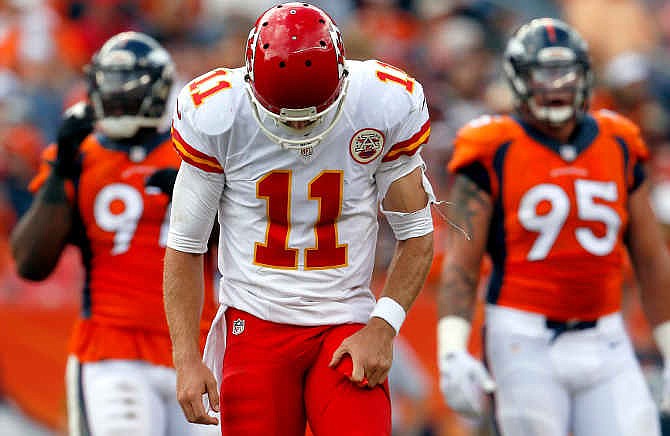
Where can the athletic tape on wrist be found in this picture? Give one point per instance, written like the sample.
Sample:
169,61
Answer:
390,311
452,335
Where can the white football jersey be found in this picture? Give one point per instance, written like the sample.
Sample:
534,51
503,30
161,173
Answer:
298,230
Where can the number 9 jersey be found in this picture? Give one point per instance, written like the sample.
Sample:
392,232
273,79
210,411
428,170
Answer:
560,214
121,228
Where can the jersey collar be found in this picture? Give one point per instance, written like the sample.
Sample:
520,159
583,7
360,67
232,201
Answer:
148,145
585,133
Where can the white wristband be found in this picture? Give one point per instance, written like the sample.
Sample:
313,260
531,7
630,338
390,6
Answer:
662,338
452,335
390,311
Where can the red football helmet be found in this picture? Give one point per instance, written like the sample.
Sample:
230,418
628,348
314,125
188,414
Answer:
295,71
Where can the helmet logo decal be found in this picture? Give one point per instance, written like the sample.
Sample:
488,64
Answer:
251,52
366,145
336,37
568,152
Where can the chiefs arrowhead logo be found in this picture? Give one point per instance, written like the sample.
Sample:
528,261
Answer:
366,145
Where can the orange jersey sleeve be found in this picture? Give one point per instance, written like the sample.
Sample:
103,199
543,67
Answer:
478,141
630,138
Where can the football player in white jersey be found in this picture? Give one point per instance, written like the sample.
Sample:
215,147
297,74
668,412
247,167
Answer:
296,152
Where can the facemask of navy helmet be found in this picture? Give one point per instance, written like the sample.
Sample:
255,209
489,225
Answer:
548,68
129,80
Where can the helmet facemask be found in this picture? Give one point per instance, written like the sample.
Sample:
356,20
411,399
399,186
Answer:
555,93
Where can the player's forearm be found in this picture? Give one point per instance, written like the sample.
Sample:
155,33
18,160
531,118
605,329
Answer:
649,256
183,288
653,273
40,236
460,273
654,278
456,296
408,270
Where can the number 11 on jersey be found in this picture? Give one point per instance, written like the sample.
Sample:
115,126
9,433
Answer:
326,188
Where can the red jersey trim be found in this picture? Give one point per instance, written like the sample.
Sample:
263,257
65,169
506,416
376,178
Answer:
193,156
409,146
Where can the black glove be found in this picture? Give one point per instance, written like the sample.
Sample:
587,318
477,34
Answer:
163,179
77,124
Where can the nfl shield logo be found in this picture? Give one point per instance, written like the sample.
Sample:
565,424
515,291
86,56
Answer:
568,152
238,326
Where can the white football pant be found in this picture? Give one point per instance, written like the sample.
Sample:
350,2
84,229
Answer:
126,398
587,382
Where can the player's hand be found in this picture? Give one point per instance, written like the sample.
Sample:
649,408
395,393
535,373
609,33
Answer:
193,381
665,393
77,124
463,382
371,352
163,179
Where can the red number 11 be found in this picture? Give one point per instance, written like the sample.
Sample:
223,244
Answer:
326,188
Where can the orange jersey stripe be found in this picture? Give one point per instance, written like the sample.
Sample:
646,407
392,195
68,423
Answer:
193,156
409,146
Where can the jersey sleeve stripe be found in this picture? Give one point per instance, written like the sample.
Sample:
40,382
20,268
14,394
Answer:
411,145
193,156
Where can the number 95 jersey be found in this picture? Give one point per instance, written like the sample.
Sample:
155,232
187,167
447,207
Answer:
560,210
298,230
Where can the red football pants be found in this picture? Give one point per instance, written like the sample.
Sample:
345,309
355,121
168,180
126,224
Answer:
276,378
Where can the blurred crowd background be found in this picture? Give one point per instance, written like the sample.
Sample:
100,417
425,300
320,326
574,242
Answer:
452,47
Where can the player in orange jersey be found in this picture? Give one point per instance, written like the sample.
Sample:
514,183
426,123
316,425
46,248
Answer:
110,193
557,196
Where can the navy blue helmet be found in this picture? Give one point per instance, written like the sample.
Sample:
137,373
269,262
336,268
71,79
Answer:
129,81
548,68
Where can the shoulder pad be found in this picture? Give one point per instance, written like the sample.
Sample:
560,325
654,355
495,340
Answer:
209,102
479,139
395,90
622,127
